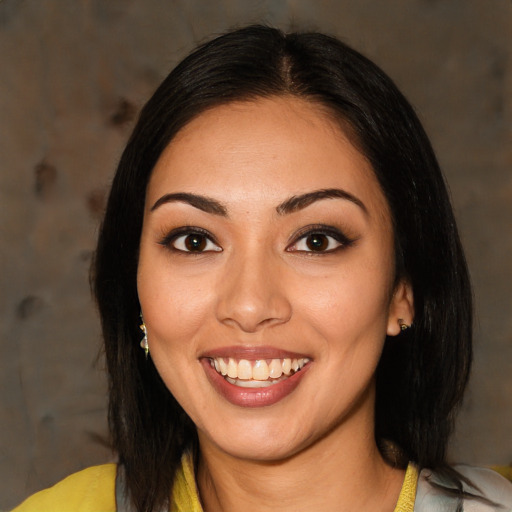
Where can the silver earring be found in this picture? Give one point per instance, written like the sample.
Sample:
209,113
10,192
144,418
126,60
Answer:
144,342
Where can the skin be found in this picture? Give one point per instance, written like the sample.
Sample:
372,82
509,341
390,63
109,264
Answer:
259,283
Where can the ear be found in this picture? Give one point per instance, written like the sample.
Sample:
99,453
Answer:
401,308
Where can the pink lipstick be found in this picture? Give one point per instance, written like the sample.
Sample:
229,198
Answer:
254,376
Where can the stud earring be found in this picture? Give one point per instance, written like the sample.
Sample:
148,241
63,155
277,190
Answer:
144,342
403,325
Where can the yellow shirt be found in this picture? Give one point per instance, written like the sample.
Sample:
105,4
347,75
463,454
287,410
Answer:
93,490
90,490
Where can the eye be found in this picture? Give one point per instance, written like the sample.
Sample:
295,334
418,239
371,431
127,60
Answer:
316,242
191,241
320,240
194,242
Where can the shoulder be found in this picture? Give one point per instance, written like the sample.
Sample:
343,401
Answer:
92,489
489,484
489,491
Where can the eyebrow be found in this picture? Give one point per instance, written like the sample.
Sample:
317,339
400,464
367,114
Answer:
206,204
293,204
297,203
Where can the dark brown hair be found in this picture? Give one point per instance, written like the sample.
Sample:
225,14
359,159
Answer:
421,376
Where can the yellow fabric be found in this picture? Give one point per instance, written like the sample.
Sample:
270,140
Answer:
185,497
407,496
93,490
90,490
505,471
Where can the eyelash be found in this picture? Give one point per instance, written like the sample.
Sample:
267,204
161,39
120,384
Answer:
321,229
344,241
185,231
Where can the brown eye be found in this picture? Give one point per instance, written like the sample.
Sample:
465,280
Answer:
195,242
320,240
191,242
317,242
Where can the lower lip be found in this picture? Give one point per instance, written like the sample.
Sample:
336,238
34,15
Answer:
252,397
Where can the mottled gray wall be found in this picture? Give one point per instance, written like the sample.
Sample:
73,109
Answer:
73,75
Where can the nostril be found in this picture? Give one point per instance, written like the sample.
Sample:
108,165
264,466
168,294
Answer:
247,324
250,297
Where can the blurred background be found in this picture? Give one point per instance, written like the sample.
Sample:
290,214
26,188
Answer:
73,77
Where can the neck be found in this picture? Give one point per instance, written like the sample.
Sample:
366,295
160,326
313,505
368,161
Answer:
343,471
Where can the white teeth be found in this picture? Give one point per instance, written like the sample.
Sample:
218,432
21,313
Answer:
232,368
275,368
287,366
260,370
223,366
257,373
253,383
244,370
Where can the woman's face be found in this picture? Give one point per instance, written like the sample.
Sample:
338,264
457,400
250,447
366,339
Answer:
267,255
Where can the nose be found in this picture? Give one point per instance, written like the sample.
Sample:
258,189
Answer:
251,295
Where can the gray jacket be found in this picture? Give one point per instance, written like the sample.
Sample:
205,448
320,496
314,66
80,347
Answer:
433,492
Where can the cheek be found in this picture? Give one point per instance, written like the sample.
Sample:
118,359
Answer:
163,301
174,308
353,300
349,319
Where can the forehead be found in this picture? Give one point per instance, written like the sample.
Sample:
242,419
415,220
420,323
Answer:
279,146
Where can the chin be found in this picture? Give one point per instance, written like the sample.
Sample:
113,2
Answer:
262,441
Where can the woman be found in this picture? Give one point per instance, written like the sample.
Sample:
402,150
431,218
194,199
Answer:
280,230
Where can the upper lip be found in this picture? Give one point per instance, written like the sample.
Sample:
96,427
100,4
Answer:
252,353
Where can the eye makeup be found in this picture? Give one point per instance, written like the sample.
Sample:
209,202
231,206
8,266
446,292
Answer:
320,239
313,239
190,239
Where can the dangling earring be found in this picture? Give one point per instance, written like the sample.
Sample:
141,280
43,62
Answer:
144,342
403,325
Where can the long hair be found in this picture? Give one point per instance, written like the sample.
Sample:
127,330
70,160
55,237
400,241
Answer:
422,374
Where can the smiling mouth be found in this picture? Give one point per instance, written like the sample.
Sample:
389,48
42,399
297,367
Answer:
259,373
